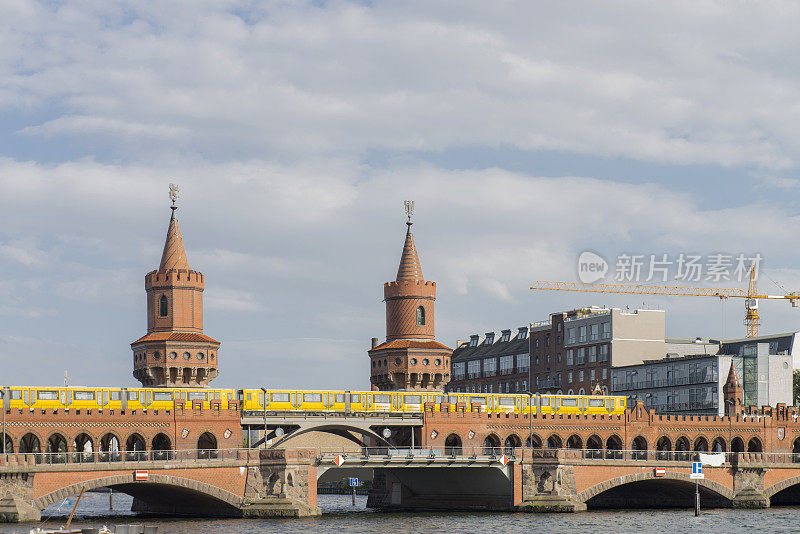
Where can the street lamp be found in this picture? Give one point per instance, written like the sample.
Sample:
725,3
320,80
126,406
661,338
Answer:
730,423
264,403
3,393
530,418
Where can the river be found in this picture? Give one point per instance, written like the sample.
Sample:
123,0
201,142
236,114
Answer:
340,517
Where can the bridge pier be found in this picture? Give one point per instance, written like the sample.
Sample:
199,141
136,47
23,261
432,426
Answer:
284,484
16,496
548,487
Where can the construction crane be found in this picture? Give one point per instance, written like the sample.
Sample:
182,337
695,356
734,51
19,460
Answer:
751,296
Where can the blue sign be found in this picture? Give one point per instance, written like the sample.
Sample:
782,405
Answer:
353,481
697,468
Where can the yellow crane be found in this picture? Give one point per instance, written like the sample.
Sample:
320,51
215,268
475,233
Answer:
751,296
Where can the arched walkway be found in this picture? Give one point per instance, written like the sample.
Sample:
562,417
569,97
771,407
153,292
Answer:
9,443
453,445
29,444
754,445
614,447
719,444
682,448
554,442
207,445
737,445
491,444
701,444
109,448
663,448
533,441
594,446
135,448
639,448
511,443
56,449
83,449
162,447
574,442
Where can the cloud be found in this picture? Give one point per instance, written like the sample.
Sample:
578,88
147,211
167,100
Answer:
678,83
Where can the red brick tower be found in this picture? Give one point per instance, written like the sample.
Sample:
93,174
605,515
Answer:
410,359
732,393
175,352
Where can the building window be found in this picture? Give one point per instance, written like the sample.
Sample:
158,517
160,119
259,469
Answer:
490,367
425,361
420,316
594,332
605,373
163,307
187,356
580,377
156,355
591,374
523,362
569,377
524,385
603,354
580,357
592,356
507,364
606,330
173,355
569,356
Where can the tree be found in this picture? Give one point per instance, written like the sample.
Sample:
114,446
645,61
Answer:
796,386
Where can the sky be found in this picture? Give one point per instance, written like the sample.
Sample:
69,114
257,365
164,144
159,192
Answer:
525,132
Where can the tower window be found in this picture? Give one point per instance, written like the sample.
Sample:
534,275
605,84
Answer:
163,306
420,316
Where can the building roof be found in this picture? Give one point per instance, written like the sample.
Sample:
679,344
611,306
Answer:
515,345
411,344
410,268
191,337
174,255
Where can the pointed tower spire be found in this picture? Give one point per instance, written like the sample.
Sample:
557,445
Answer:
410,268
174,255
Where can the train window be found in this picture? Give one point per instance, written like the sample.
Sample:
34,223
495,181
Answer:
569,402
595,403
162,396
340,397
312,397
197,396
354,398
507,401
545,401
412,399
478,400
385,399
133,395
16,395
84,395
47,395
279,397
216,395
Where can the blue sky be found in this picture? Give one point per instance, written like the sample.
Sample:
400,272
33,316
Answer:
525,132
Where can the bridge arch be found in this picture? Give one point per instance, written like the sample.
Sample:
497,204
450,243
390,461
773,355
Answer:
737,445
230,502
574,442
533,441
512,442
754,445
554,441
719,494
453,444
30,443
614,443
784,492
490,443
719,444
701,444
343,430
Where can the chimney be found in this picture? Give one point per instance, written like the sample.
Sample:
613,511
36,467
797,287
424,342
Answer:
374,342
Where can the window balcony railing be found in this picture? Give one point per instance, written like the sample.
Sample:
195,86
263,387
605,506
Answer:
664,382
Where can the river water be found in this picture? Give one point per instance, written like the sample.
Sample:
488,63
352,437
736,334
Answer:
340,517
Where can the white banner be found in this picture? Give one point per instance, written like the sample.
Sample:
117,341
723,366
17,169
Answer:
715,459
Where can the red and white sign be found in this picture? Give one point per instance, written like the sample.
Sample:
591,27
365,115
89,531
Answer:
140,475
339,460
503,459
660,471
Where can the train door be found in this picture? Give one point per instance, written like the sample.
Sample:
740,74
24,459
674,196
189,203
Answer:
582,403
262,400
69,397
123,396
147,398
347,401
293,396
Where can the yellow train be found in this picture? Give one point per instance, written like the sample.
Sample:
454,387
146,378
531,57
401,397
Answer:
88,398
291,400
409,402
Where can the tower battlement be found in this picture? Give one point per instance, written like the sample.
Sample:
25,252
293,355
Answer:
174,277
409,288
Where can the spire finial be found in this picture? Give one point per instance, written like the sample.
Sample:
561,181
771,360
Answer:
173,196
409,205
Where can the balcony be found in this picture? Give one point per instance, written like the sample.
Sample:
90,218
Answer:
664,382
549,384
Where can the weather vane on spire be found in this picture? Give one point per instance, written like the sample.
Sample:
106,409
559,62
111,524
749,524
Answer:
409,205
173,193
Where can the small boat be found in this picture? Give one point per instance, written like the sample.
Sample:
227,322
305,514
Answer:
67,529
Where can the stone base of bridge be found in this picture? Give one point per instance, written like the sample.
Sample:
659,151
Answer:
750,498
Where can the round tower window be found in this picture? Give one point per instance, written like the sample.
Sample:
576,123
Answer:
398,361
156,355
201,356
413,361
187,356
425,361
173,355
212,355
438,361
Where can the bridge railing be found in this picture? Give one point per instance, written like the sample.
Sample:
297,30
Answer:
105,457
526,454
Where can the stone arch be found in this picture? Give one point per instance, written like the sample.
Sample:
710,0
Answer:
56,449
123,481
207,445
639,448
135,447
614,446
490,444
110,448
663,448
289,480
574,442
453,444
701,444
30,444
84,448
533,441
161,447
639,476
594,446
273,484
9,444
754,445
511,442
683,448
554,441
782,485
719,444
737,445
